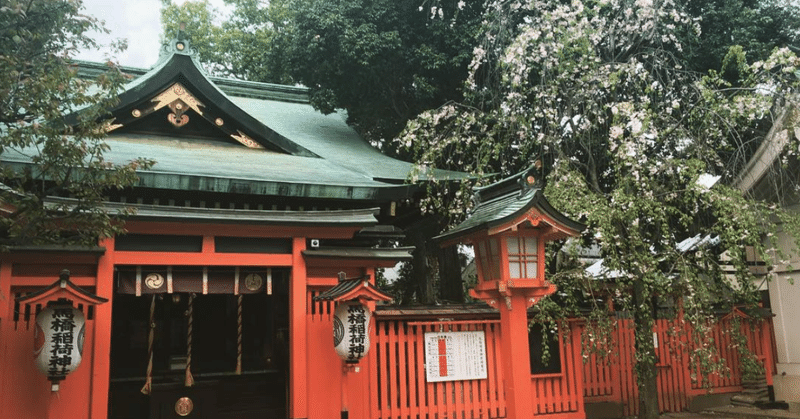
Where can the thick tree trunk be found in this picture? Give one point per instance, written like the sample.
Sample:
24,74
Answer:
427,254
451,288
646,371
421,281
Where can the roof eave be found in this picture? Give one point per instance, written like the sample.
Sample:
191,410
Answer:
537,202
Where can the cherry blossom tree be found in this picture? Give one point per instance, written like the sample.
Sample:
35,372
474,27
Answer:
598,95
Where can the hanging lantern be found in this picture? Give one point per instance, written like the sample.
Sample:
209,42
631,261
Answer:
351,321
355,299
60,328
58,341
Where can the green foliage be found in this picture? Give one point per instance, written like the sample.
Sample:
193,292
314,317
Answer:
39,88
749,366
244,43
628,135
757,26
383,61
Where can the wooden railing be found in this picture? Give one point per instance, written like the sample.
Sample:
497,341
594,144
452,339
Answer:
559,394
392,383
611,378
399,379
402,390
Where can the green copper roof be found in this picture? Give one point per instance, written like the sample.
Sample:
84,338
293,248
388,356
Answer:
304,154
505,201
336,218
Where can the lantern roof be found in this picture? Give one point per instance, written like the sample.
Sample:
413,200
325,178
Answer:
62,288
509,204
355,289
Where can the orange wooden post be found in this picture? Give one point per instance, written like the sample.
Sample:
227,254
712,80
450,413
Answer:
516,357
577,371
766,348
6,307
509,228
298,380
102,333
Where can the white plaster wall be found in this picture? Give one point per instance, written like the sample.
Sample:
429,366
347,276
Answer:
784,295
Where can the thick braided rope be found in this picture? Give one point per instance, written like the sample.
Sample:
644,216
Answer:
148,383
239,336
190,318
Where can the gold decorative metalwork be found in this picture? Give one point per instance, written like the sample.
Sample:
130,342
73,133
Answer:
245,140
154,281
136,113
107,127
110,126
253,282
179,100
184,406
219,122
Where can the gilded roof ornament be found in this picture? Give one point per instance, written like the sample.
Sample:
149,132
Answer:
245,140
179,100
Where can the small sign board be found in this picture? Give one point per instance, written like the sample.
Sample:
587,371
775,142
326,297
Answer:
455,356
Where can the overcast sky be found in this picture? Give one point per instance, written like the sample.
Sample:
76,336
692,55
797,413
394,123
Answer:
138,21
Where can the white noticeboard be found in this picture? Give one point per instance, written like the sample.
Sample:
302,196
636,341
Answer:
454,356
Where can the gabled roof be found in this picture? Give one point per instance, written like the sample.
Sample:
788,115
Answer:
353,289
507,204
179,84
208,134
62,288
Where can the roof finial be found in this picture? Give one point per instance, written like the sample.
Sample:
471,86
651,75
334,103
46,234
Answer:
180,44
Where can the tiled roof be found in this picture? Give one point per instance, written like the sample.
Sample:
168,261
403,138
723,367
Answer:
353,289
305,153
503,202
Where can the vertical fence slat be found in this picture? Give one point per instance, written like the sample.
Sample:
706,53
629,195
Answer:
402,369
374,390
386,365
423,398
413,371
492,408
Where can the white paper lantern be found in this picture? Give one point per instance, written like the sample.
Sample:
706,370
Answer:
351,322
58,341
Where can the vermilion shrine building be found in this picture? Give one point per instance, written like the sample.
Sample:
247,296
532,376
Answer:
260,217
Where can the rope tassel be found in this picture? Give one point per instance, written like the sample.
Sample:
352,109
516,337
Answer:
190,317
148,383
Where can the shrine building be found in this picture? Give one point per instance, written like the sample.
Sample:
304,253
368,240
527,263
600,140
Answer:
244,286
256,204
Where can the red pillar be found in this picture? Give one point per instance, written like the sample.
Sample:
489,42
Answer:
516,357
6,306
298,365
766,347
101,353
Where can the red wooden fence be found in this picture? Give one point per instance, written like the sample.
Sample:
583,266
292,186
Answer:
559,394
402,391
394,386
400,384
611,378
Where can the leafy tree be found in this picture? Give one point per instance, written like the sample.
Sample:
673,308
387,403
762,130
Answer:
758,26
39,90
383,61
244,43
598,95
